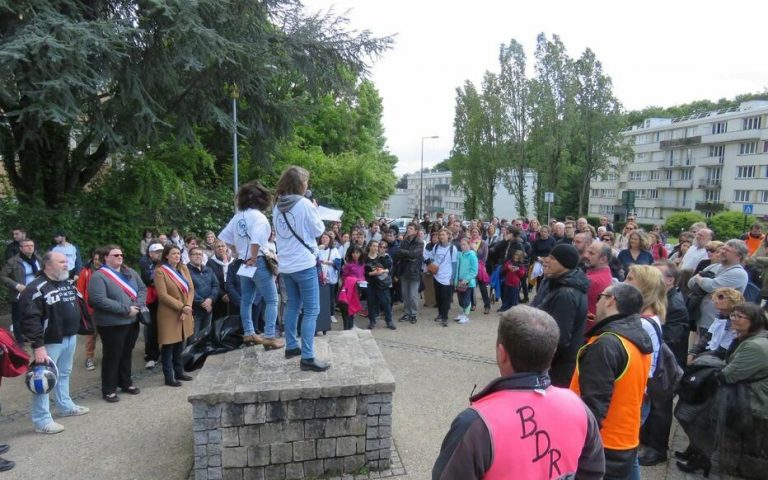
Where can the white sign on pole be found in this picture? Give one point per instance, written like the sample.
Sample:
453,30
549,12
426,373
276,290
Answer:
549,197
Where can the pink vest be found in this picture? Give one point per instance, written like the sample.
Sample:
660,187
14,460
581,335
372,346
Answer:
533,435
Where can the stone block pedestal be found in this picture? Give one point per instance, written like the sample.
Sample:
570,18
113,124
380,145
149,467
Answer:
258,416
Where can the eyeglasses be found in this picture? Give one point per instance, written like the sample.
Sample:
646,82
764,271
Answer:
196,254
738,315
115,255
605,295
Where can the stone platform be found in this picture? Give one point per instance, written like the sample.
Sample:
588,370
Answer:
258,416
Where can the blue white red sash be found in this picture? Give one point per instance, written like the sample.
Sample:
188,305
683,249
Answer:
116,278
177,278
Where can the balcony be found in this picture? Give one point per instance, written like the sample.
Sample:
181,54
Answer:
710,183
679,142
735,136
683,184
678,163
710,161
442,186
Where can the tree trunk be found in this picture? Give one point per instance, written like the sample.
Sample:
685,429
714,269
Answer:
45,168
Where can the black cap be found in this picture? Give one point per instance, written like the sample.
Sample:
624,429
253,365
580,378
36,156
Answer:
566,254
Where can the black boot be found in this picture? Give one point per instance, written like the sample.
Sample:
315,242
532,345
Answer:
685,454
698,461
6,465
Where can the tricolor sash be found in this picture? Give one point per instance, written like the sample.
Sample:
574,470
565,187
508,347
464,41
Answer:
177,278
117,279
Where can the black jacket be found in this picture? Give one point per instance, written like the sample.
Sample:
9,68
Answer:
206,285
467,451
603,361
410,257
566,301
44,304
675,329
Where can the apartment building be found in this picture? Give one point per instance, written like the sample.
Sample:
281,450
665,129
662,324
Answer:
441,196
706,162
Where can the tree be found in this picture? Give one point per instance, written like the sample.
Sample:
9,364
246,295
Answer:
681,222
402,182
552,115
515,94
596,133
81,80
479,154
728,225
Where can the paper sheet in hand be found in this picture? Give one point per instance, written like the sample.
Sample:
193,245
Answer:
246,271
329,214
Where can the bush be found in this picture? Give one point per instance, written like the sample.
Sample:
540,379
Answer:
681,221
728,225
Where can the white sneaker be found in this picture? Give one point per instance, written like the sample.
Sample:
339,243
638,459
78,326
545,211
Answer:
75,412
458,318
51,428
150,365
333,319
464,319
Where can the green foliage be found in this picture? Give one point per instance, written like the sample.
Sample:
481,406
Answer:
728,225
81,80
681,221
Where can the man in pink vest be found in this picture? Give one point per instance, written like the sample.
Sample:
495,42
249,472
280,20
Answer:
519,426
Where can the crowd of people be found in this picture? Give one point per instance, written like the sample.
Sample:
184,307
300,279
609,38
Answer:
602,306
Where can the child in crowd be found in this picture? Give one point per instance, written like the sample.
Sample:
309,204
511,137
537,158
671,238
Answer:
464,278
378,272
514,272
352,274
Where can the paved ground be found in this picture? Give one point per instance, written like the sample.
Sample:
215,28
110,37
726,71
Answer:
149,436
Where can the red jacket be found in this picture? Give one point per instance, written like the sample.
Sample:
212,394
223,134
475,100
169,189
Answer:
513,278
14,360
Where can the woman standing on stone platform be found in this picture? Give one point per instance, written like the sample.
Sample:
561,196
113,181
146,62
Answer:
297,224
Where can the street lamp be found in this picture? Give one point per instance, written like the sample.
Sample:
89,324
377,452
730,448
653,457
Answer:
421,178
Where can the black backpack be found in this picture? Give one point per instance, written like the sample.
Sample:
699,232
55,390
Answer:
666,378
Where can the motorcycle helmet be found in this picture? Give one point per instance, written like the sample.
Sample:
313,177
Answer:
42,377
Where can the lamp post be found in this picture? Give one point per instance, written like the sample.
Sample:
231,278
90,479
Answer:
421,178
235,93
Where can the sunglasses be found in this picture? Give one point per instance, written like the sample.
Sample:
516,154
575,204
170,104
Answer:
115,255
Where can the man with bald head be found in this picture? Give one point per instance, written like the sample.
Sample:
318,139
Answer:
51,312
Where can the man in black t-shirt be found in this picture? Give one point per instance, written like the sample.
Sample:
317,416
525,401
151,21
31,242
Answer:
51,312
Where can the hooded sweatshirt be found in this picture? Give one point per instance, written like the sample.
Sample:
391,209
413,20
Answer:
566,301
296,254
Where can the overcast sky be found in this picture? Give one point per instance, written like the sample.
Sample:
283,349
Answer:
656,52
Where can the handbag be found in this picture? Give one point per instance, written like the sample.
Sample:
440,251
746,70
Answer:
271,260
432,268
85,327
482,273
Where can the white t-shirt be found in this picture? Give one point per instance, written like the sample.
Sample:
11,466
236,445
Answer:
655,340
692,257
249,227
329,255
291,254
445,258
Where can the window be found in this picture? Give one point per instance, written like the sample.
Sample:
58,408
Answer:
717,150
762,196
765,146
712,196
741,195
719,127
745,172
747,148
752,123
655,175
685,174
714,175
635,176
653,194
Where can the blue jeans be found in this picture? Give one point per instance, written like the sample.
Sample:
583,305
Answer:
303,289
510,296
252,290
62,355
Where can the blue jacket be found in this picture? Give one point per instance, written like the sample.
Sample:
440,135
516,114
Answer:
466,268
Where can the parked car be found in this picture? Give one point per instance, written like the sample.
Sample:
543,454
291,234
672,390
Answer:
400,224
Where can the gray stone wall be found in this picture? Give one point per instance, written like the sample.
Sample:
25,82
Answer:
291,432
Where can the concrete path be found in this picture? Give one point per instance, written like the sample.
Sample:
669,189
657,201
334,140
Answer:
149,436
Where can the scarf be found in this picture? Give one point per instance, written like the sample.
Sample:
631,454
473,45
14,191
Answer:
32,261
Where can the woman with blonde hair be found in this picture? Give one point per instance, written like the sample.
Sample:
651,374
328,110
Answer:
650,281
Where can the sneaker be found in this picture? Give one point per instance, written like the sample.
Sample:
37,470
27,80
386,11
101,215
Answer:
50,429
391,326
89,365
150,364
458,317
75,412
6,465
333,319
464,319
